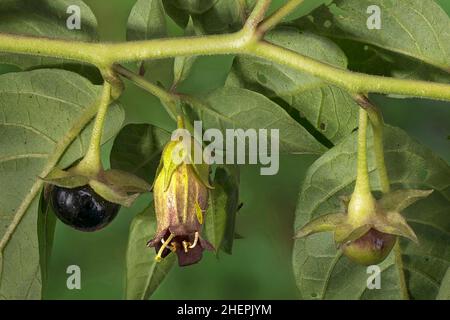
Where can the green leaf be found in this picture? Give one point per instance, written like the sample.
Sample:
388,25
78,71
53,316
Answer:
38,108
415,28
194,6
284,81
323,272
46,18
331,110
46,230
183,64
137,149
147,20
233,108
144,274
224,17
444,291
180,17
222,208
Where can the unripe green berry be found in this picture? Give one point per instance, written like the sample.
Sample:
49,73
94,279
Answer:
372,248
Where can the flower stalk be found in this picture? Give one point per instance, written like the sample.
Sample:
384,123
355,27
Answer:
91,163
362,203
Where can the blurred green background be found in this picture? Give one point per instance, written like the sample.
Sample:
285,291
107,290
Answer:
260,267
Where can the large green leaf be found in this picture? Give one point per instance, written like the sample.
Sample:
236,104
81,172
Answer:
223,205
444,291
182,65
193,6
323,272
144,274
179,16
147,20
224,17
236,108
46,232
137,149
45,18
416,28
38,108
329,109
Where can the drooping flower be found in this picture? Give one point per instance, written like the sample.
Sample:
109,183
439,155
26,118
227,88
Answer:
181,198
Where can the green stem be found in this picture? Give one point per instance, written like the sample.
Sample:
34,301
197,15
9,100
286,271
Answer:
257,14
145,84
279,15
376,120
348,80
362,203
91,163
245,41
168,99
362,185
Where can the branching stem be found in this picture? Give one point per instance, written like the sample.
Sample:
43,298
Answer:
244,42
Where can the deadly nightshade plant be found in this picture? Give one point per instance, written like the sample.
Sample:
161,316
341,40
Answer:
180,194
307,77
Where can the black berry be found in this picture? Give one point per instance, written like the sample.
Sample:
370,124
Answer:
82,208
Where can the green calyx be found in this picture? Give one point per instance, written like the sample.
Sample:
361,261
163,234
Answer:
367,228
385,218
113,185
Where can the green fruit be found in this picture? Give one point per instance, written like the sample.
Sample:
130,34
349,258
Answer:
372,248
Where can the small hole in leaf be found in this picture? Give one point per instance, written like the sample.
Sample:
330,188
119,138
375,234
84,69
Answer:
322,126
314,295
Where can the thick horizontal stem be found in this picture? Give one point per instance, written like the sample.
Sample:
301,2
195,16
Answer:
351,81
103,55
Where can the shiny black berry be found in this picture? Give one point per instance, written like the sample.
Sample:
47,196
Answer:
83,209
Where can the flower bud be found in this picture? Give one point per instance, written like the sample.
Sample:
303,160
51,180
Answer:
181,198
